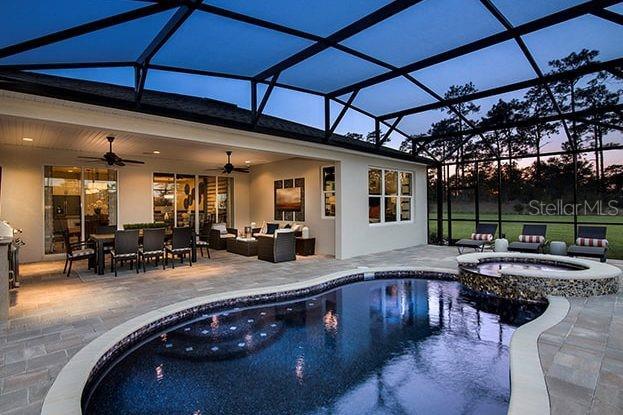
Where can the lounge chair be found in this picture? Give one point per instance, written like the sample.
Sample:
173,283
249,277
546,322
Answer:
591,243
532,239
479,239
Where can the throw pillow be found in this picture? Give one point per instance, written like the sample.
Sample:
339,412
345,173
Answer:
532,239
602,243
482,236
271,228
288,226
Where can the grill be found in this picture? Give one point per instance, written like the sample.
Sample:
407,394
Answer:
6,230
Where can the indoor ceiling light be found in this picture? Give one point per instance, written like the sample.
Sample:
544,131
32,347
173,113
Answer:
27,139
156,152
247,162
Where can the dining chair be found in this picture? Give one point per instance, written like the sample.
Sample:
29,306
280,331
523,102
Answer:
153,246
126,249
181,245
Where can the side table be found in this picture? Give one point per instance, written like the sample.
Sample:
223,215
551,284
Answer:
305,246
558,248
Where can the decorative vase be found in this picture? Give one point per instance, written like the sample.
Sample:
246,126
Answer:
305,232
501,245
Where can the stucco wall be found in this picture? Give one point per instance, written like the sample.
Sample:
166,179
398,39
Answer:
21,202
262,200
354,235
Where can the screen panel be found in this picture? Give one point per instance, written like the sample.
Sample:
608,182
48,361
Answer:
519,12
393,95
329,70
214,43
490,67
586,32
123,42
426,29
24,20
320,17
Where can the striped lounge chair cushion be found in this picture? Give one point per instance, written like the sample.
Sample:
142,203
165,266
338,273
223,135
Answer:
602,243
482,236
531,239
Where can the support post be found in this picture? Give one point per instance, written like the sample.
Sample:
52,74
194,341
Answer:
439,203
500,234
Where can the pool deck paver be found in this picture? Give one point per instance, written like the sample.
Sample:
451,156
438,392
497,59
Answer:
53,317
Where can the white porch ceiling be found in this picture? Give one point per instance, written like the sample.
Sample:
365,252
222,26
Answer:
92,142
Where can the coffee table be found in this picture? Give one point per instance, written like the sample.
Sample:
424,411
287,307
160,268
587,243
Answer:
245,247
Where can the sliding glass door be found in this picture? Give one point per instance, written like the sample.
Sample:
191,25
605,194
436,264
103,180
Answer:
76,201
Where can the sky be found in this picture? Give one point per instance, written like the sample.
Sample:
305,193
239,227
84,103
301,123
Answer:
214,43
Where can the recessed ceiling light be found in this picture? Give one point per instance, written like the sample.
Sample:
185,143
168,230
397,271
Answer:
247,162
156,152
27,139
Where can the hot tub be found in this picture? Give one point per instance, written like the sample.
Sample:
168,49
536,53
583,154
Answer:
533,277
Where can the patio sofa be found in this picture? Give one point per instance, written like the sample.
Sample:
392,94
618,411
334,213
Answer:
591,243
219,234
532,239
278,247
479,239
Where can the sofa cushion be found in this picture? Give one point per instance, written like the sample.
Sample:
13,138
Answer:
296,227
271,228
221,227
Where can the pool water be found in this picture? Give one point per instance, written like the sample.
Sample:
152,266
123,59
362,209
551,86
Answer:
399,346
494,268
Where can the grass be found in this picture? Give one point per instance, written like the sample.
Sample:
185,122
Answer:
555,231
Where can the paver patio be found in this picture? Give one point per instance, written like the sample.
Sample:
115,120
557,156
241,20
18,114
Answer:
54,316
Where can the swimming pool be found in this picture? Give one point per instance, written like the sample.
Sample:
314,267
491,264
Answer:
381,346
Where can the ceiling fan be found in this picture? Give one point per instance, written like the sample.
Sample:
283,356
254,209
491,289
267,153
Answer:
111,158
228,167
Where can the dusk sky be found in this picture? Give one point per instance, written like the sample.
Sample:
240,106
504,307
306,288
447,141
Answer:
215,43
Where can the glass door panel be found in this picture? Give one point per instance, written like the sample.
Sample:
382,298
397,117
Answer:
62,209
207,199
100,199
164,197
185,200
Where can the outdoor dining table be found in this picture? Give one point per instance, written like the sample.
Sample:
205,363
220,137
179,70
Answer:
101,239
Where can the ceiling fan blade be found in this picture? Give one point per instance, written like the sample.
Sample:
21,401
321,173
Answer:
92,158
132,161
241,170
119,163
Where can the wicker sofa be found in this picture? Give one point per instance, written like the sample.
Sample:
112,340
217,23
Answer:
280,247
219,234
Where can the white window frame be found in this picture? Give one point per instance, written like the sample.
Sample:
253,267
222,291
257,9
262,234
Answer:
398,196
324,192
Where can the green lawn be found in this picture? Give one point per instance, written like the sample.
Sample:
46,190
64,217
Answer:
555,232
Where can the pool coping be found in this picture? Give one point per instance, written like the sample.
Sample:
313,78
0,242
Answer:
529,394
65,395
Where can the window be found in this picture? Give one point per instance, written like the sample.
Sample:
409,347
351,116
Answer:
328,192
185,200
390,195
76,202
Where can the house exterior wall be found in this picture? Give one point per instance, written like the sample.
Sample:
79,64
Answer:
352,233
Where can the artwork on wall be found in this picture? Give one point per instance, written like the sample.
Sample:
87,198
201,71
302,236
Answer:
290,199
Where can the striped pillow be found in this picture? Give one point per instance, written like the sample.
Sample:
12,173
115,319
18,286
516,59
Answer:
482,236
532,239
603,243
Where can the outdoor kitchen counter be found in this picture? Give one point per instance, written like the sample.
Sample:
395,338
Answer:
4,278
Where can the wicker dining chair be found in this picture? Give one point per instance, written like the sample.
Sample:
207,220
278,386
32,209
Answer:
181,245
153,246
126,249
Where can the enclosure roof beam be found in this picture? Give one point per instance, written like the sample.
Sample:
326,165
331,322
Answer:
495,12
516,86
86,28
526,122
609,15
529,27
352,29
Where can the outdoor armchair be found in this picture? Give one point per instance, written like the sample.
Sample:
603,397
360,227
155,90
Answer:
279,247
